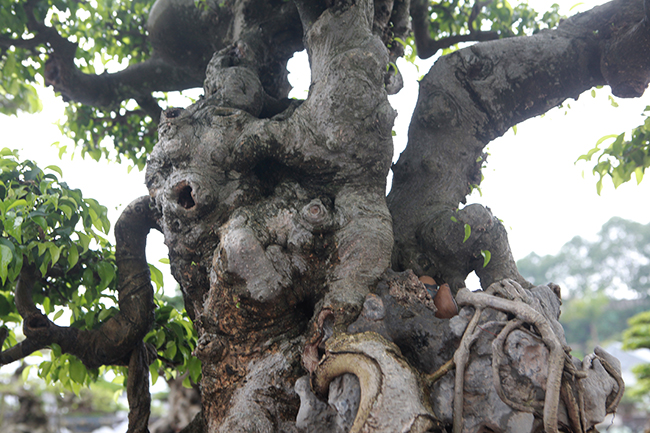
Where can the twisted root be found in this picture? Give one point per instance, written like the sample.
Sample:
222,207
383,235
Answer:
509,297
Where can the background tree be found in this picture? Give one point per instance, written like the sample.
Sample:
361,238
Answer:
274,209
599,277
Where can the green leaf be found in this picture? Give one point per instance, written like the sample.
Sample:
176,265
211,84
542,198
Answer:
85,241
156,276
153,369
160,338
617,178
606,137
5,259
73,256
638,172
105,313
170,349
486,257
468,232
164,260
18,265
55,252
10,64
613,101
44,369
25,373
77,370
106,273
195,369
42,247
13,226
5,306
42,223
56,169
19,202
514,129
67,210
453,218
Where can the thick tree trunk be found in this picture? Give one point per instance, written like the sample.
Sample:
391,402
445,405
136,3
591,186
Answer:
285,215
279,233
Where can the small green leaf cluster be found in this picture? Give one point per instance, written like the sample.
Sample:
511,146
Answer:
450,18
104,29
410,50
175,339
49,225
16,91
622,157
113,134
637,336
67,371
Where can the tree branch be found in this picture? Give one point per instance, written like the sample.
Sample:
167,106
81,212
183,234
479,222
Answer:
114,341
108,90
476,94
427,46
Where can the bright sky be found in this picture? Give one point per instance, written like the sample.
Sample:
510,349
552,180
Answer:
531,181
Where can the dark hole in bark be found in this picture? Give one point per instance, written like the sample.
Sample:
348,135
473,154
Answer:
37,322
270,173
185,198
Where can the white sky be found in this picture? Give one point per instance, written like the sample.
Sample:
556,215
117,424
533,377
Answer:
531,181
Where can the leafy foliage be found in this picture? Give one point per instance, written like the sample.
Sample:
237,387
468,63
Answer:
48,225
107,33
622,157
452,17
112,35
113,134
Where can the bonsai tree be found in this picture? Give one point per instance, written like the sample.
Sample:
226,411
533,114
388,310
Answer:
304,283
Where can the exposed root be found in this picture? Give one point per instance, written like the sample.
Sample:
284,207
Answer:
564,378
367,372
609,368
386,381
461,356
499,359
437,375
518,303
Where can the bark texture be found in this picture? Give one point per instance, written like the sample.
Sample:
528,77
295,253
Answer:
278,227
